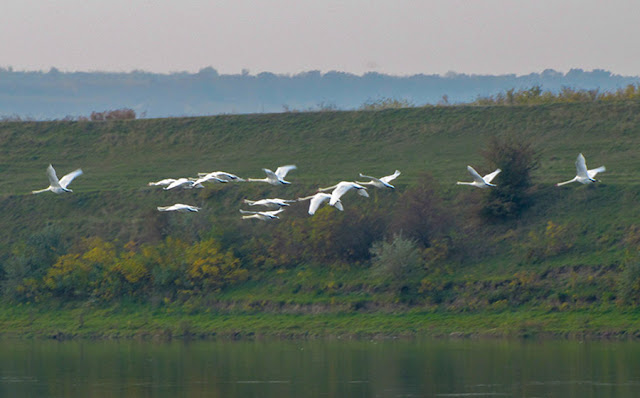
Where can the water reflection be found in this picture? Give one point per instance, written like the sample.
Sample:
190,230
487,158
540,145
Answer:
437,368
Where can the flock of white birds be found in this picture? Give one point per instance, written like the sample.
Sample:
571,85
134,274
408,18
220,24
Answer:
274,206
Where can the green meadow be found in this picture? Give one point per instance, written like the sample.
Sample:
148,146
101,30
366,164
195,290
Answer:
565,266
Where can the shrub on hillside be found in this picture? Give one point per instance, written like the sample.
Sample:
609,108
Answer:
555,239
629,282
398,259
516,159
419,213
29,263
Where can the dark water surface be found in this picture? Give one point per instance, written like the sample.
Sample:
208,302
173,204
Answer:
431,368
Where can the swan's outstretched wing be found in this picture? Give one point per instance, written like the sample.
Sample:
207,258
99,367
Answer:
66,180
592,173
53,178
249,212
282,171
272,213
344,187
271,175
391,177
317,200
341,189
376,182
475,175
581,167
489,177
370,177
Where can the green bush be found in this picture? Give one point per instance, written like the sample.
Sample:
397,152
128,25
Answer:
512,194
399,259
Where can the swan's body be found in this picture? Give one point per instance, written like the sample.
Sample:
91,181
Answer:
583,176
207,178
164,182
59,186
220,176
276,178
318,199
382,182
478,181
184,183
343,187
262,215
274,203
179,207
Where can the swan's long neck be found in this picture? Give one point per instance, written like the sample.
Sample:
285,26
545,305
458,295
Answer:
464,183
41,190
566,182
256,179
327,188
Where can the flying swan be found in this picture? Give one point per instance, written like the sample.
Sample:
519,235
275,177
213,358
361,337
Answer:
480,182
274,203
316,200
583,176
343,187
276,178
182,208
382,182
59,186
262,215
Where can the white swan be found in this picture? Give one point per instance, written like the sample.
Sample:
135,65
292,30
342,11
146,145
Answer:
262,215
274,203
164,182
179,207
220,176
59,186
316,200
382,182
343,187
480,182
207,178
276,178
583,175
184,183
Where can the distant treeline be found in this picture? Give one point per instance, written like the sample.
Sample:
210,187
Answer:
38,95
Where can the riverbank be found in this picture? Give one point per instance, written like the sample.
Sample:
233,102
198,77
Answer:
28,321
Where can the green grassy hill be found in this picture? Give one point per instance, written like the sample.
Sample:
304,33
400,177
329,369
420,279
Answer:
494,265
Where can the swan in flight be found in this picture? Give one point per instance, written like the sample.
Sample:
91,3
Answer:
382,182
183,183
343,187
59,186
179,207
220,176
164,182
262,215
274,203
478,181
208,177
583,175
276,178
316,200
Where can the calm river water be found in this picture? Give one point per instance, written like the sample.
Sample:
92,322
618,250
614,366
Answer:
432,368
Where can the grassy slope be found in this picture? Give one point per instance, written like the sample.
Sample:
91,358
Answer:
119,158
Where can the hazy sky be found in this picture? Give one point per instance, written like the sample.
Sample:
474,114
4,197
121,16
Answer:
398,37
